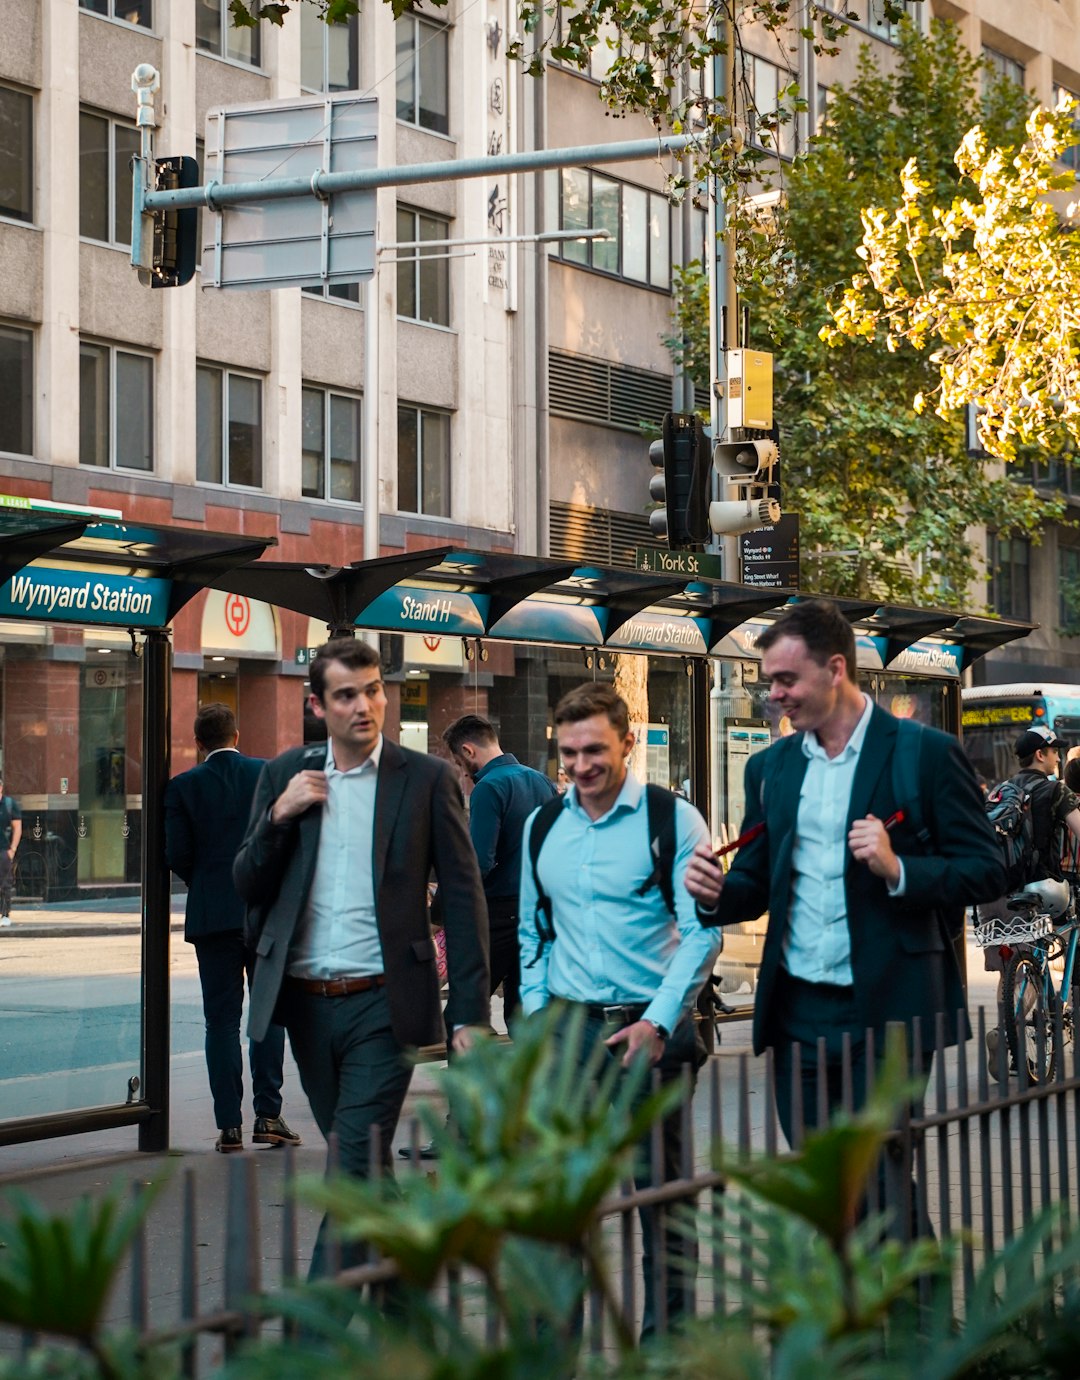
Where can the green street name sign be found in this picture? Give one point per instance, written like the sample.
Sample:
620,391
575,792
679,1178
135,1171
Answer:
692,564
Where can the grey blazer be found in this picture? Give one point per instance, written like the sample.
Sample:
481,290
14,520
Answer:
420,825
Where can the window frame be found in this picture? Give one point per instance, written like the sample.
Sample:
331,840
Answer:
417,22
414,259
419,411
12,216
223,54
1004,65
19,329
1002,576
328,394
113,350
113,123
227,373
784,138
115,18
1068,618
335,292
583,253
1070,157
352,26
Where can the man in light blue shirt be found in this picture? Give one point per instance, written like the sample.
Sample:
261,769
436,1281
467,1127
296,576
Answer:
618,951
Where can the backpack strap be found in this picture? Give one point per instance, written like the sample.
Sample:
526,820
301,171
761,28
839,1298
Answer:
907,774
660,809
542,825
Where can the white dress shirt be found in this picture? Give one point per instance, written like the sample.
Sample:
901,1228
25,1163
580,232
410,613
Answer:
338,935
817,945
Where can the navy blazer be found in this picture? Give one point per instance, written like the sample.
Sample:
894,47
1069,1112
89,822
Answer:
903,955
206,816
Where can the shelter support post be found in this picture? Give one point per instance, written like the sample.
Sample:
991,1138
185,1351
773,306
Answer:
156,898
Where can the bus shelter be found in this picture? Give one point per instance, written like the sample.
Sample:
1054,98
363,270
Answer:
85,608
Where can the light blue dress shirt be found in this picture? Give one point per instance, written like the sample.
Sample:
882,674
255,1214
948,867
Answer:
612,946
817,945
339,935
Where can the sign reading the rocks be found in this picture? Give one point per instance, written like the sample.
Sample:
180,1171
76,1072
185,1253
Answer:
770,555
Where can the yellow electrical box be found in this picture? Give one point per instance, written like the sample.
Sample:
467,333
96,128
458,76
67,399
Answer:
750,389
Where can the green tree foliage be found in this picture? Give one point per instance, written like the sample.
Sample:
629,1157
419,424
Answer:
893,490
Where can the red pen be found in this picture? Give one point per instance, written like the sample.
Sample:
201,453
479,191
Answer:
742,840
897,818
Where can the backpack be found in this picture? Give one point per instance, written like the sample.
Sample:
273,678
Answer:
660,809
1008,808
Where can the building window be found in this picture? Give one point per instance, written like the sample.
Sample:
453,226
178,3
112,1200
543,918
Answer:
1069,590
106,149
214,33
16,154
1002,65
1070,156
1010,580
228,428
331,447
423,276
116,408
423,74
16,390
341,292
329,53
772,121
601,58
130,11
423,440
638,223
883,27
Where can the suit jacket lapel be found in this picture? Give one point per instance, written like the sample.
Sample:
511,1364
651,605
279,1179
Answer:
388,796
877,750
782,795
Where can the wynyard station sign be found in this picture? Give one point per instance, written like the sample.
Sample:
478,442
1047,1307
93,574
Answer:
53,594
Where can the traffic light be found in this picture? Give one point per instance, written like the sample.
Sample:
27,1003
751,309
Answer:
175,232
746,470
681,457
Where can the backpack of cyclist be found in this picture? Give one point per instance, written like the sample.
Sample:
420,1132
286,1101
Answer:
1008,808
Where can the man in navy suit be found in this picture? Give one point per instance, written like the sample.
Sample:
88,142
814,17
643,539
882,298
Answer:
206,815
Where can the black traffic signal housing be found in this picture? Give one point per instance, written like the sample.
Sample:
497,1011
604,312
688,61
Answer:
176,251
683,461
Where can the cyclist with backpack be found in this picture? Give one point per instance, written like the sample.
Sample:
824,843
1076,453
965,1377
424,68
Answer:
609,929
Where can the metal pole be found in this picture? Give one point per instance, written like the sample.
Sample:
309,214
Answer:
723,301
371,417
217,195
156,899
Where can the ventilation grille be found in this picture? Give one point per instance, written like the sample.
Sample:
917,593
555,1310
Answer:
603,394
597,536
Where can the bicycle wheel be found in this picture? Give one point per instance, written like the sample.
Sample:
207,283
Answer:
1029,1001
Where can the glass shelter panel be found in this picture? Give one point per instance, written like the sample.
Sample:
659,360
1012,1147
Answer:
70,983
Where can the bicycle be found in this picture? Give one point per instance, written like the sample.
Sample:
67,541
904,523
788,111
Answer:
1044,926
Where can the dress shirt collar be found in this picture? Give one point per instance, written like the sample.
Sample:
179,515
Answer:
629,798
505,759
813,748
217,750
373,760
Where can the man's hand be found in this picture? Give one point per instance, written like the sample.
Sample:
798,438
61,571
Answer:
642,1035
704,877
869,844
464,1037
305,789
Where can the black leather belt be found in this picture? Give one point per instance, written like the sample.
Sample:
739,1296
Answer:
618,1014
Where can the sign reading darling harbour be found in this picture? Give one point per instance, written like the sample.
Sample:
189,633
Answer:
79,596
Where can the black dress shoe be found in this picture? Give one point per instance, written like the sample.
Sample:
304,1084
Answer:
430,1151
230,1140
273,1130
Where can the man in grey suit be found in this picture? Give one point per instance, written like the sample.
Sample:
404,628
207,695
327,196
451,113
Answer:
206,814
334,868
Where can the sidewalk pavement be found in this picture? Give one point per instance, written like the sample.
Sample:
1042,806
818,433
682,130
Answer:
72,919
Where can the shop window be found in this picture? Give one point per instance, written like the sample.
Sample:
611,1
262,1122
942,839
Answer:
1009,560
116,407
215,33
423,462
16,390
130,11
423,276
331,446
16,154
423,73
329,53
106,148
638,222
228,426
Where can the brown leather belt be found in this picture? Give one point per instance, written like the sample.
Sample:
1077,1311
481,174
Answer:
338,987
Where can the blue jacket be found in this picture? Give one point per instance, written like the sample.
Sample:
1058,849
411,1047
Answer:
206,818
504,795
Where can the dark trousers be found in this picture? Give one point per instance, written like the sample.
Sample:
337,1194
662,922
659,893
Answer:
7,881
505,952
677,1261
223,963
804,1013
355,1075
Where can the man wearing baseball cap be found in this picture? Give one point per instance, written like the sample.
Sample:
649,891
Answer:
1054,808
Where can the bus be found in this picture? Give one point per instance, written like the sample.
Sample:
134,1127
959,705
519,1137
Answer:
994,716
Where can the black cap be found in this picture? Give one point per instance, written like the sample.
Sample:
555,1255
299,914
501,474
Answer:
1035,739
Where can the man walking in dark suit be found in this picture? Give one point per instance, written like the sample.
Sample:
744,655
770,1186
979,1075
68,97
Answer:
863,919
206,814
334,869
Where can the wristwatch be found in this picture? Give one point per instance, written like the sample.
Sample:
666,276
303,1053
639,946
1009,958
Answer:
660,1030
